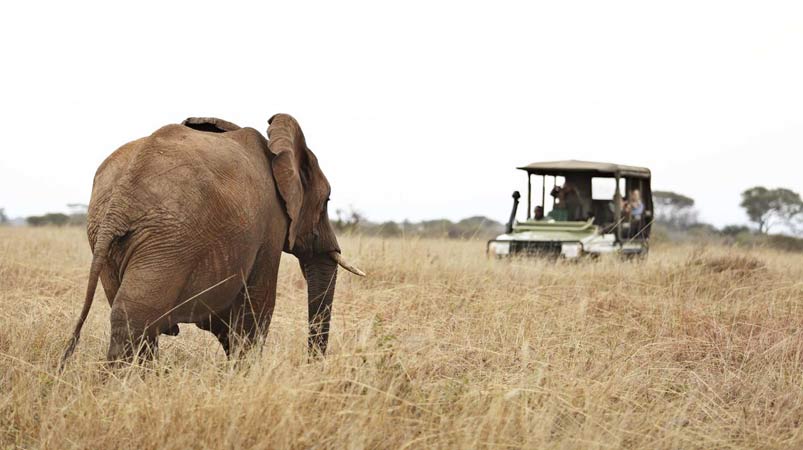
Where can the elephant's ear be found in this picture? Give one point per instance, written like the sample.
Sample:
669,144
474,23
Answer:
286,142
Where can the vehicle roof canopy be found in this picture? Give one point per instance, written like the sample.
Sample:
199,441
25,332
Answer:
592,168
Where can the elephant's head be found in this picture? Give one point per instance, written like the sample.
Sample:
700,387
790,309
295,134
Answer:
310,236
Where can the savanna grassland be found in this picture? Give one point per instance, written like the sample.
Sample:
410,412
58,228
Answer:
437,348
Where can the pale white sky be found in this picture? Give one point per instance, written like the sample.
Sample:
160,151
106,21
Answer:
416,110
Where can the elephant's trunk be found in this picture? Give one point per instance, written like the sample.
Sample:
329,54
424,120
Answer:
321,274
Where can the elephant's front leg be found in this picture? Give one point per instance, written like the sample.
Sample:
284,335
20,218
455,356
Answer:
220,328
250,316
237,329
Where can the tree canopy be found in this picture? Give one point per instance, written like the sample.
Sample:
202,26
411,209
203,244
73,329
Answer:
770,207
673,209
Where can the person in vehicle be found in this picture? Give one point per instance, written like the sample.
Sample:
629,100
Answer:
572,201
612,204
559,212
634,208
538,214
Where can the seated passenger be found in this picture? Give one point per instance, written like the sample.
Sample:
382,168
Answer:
538,214
634,207
612,204
559,213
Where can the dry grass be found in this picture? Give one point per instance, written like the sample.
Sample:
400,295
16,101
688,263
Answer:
437,348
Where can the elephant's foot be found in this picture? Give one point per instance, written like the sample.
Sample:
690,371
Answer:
129,343
241,344
220,329
223,338
128,351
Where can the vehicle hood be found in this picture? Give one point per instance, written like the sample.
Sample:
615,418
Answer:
550,231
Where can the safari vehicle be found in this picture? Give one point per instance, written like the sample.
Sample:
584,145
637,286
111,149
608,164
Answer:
589,214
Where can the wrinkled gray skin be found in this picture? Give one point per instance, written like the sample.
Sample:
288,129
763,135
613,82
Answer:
180,220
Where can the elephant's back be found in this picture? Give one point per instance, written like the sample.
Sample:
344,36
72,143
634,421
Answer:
181,178
199,176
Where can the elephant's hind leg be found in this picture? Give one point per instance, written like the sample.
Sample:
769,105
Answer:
139,313
130,336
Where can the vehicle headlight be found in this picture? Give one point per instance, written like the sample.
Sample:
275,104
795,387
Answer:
571,250
500,248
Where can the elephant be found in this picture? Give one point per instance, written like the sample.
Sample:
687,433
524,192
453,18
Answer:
188,225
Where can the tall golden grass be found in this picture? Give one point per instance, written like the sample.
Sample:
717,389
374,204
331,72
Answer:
437,348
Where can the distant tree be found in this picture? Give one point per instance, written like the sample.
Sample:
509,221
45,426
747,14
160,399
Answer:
439,228
389,229
734,230
478,222
673,209
770,207
35,221
479,226
57,219
77,219
3,217
702,228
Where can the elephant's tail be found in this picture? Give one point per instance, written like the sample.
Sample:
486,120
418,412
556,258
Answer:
99,254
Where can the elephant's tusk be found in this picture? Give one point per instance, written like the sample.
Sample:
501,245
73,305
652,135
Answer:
338,258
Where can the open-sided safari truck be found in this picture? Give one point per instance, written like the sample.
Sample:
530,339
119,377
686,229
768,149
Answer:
582,211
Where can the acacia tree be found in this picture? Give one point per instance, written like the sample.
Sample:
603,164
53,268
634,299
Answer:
673,209
770,207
